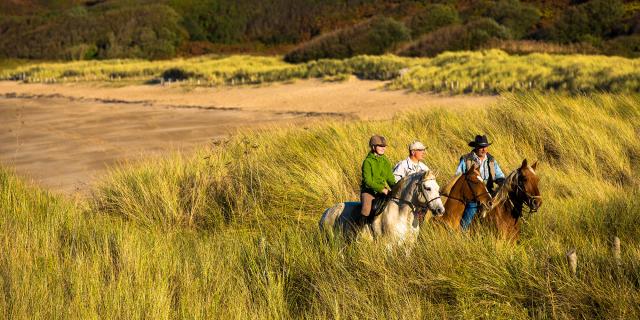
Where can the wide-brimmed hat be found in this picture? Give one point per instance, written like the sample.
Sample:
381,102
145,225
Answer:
377,140
479,142
416,145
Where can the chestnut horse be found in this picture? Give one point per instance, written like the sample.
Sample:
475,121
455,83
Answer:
466,188
519,189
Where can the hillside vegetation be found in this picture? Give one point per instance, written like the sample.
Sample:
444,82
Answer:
103,29
482,72
231,231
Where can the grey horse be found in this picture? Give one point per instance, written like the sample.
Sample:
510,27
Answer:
398,221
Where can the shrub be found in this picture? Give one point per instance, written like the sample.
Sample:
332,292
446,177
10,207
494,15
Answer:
141,31
375,36
177,74
596,18
628,46
518,17
470,36
432,18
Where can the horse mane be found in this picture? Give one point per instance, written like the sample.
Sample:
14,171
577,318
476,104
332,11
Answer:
400,188
502,194
449,186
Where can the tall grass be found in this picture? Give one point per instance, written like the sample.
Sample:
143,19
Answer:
230,231
211,70
494,71
479,72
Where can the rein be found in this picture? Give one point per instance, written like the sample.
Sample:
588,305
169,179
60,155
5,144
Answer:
519,202
529,198
420,191
475,196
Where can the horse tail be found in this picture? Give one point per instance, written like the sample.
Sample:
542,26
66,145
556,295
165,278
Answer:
329,216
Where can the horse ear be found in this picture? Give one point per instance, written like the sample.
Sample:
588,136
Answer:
524,164
534,165
472,167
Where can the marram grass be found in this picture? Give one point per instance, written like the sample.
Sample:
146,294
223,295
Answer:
466,72
231,231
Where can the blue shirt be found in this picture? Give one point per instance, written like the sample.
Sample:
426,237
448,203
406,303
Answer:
484,168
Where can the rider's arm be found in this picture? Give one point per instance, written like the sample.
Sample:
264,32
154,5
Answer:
367,177
391,179
399,171
499,173
462,168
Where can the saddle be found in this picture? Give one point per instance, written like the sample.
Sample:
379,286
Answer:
378,205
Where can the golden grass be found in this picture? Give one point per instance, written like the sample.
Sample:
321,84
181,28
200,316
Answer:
480,72
231,231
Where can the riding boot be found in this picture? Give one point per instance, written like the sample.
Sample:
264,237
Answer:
369,219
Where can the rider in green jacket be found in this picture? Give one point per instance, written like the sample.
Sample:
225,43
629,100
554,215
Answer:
377,174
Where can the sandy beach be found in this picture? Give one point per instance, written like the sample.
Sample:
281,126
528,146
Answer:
62,136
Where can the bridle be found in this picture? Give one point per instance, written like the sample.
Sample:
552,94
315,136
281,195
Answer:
476,196
529,199
424,206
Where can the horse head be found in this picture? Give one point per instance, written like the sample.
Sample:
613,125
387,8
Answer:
475,189
430,190
419,190
526,188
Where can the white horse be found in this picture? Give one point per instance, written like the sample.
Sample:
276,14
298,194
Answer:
398,221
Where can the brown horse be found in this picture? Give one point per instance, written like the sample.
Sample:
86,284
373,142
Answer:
519,189
465,188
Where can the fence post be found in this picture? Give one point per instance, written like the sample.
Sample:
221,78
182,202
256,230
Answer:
572,260
616,251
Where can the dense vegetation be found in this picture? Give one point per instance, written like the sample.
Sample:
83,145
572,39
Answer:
482,72
224,234
375,36
73,29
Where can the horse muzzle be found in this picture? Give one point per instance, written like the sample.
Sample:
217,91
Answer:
534,203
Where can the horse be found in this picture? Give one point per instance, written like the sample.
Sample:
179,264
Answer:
398,221
519,189
465,188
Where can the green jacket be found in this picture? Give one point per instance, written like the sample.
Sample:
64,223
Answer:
376,173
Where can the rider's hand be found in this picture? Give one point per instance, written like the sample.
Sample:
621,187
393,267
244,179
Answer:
385,191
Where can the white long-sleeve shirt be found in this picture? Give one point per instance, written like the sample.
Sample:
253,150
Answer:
407,167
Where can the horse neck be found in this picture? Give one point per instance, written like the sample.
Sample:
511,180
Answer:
507,204
461,189
405,189
453,208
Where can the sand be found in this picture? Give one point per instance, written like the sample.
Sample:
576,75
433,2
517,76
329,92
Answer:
64,136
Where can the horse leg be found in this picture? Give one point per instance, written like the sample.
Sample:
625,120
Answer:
514,233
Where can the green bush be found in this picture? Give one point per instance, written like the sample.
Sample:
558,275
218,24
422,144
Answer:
143,31
177,74
519,18
431,18
470,36
375,36
593,19
627,46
